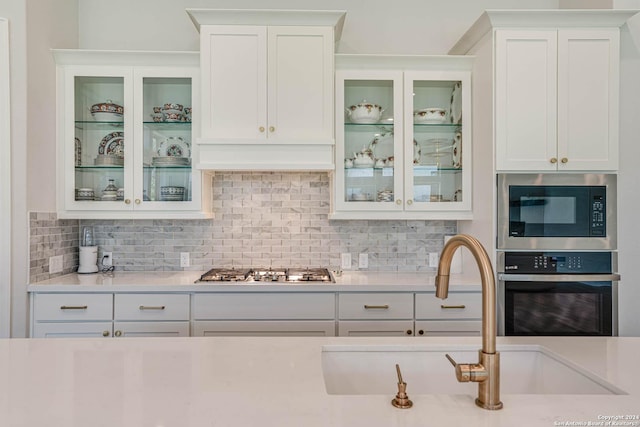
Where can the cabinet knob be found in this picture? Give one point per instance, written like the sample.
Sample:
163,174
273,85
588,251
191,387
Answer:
127,201
105,333
553,160
409,202
137,201
118,333
261,128
398,202
564,160
421,332
272,129
409,332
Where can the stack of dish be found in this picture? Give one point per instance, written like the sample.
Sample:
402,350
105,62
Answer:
171,161
108,160
85,194
171,193
385,196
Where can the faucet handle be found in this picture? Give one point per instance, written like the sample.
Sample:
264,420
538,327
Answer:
466,372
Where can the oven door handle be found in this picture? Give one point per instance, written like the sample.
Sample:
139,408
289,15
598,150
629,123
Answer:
558,277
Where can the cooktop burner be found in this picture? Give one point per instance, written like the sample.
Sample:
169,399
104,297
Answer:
268,275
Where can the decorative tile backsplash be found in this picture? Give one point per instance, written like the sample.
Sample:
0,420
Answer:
50,236
268,219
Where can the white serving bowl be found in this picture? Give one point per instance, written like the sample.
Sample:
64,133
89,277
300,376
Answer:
430,115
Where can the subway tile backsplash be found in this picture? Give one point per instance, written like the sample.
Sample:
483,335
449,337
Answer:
50,236
262,219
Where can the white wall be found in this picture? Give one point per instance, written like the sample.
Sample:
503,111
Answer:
34,26
372,26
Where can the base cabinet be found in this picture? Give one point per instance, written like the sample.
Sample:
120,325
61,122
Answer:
64,315
459,315
202,314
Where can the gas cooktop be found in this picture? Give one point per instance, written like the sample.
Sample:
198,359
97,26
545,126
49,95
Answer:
290,275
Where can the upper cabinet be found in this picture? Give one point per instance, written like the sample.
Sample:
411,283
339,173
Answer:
403,139
125,135
557,99
267,89
556,87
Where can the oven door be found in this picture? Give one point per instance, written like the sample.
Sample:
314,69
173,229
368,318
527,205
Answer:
558,305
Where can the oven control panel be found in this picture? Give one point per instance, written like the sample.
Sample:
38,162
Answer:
557,262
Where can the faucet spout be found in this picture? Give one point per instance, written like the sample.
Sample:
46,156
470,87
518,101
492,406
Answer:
489,384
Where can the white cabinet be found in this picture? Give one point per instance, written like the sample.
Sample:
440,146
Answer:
267,85
412,159
125,137
375,314
58,315
557,96
459,315
264,314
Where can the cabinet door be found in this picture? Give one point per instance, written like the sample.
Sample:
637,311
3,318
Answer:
588,86
526,100
234,67
71,330
151,329
437,105
97,136
300,84
448,328
369,151
163,174
265,328
375,328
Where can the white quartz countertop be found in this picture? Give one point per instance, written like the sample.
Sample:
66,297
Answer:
236,381
170,281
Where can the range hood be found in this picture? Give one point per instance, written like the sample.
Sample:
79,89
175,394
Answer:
267,89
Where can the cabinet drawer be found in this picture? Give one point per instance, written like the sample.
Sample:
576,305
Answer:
259,306
151,307
381,306
67,307
459,305
265,328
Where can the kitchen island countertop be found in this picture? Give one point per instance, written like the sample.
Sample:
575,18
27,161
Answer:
236,381
185,281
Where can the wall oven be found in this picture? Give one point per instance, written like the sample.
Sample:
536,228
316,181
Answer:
557,293
556,212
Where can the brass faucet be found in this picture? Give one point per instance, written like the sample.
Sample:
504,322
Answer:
487,371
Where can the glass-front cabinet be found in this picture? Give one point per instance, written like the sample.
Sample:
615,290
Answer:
125,135
403,129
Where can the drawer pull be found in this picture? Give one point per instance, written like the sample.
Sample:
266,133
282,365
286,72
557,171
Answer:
383,307
152,307
453,306
74,307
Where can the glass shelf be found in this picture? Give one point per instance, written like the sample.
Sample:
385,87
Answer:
168,125
99,167
90,124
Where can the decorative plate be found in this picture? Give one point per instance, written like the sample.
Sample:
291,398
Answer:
174,147
457,151
456,104
112,144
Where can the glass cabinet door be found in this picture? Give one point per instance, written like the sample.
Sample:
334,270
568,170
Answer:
164,171
370,141
434,178
100,151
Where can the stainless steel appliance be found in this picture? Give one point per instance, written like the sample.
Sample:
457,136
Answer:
289,275
556,212
557,293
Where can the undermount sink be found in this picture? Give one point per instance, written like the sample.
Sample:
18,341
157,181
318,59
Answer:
525,369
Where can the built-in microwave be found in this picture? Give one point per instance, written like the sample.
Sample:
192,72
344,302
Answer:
557,211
